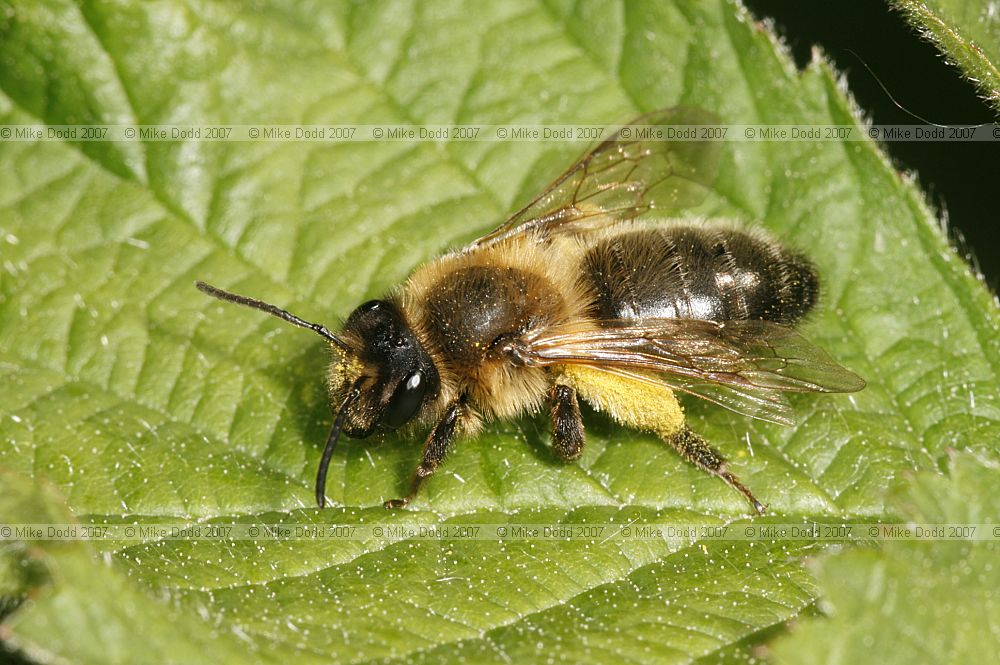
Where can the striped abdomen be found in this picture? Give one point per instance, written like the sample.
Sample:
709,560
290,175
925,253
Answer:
696,272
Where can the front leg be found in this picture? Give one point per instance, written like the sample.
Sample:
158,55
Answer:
436,447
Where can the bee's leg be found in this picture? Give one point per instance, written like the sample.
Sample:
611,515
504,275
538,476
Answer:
435,449
697,450
567,425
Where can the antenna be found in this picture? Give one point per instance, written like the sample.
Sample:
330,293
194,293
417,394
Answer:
331,442
273,310
893,99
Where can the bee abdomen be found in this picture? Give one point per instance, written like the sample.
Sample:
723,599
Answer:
697,272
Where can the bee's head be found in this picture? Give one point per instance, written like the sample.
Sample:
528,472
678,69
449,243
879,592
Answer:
383,377
387,375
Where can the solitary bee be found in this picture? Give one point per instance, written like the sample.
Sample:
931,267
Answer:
574,297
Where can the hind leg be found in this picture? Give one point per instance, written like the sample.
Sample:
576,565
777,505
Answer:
697,450
651,408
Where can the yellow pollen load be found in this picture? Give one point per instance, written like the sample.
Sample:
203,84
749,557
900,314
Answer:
343,370
637,404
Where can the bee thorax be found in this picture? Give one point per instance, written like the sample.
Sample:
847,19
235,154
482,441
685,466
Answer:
476,313
479,313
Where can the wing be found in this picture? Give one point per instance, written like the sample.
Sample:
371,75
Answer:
744,366
636,170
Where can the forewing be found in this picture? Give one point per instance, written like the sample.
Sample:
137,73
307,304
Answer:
744,366
636,170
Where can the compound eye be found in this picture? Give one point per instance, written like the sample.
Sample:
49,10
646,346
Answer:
405,400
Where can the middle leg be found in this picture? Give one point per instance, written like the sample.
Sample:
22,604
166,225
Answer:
567,425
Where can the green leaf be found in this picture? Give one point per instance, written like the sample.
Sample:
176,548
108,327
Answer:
136,398
89,612
915,601
967,32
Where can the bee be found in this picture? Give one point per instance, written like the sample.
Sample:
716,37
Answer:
574,297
